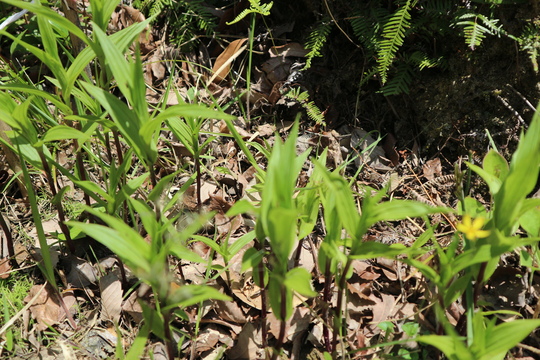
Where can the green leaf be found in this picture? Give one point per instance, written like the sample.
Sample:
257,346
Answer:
251,259
189,295
493,181
299,280
530,221
452,346
521,179
125,242
504,337
401,209
63,132
495,164
280,297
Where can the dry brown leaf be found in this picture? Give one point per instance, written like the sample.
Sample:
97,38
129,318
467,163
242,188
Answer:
290,49
276,69
364,270
248,345
381,311
82,273
432,169
111,297
46,309
299,322
208,339
5,267
230,311
133,308
222,66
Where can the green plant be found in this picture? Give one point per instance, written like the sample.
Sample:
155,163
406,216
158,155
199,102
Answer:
15,288
302,97
86,109
185,19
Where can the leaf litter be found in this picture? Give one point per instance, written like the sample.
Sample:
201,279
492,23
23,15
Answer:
377,292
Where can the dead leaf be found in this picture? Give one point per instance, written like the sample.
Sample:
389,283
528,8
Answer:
82,273
299,322
381,310
133,308
230,311
432,169
111,297
290,49
46,309
222,66
5,267
248,345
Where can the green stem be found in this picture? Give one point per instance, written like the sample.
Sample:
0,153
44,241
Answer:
338,321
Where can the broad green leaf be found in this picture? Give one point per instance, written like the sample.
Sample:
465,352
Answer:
453,347
102,11
476,255
493,181
242,206
28,89
63,132
521,179
530,221
299,280
280,297
456,289
251,259
49,60
505,336
127,122
182,252
241,242
373,249
124,241
51,15
473,208
122,69
93,190
495,164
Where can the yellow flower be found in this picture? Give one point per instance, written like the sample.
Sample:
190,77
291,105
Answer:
472,228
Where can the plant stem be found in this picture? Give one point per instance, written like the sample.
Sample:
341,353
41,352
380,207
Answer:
59,207
168,335
326,309
337,313
9,242
283,323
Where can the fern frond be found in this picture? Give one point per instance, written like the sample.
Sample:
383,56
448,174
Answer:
317,39
366,27
421,60
255,7
203,17
312,110
438,7
399,82
477,26
393,37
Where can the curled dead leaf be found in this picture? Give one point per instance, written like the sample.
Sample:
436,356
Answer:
222,66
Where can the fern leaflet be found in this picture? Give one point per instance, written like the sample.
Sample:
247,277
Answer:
302,97
393,37
316,41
